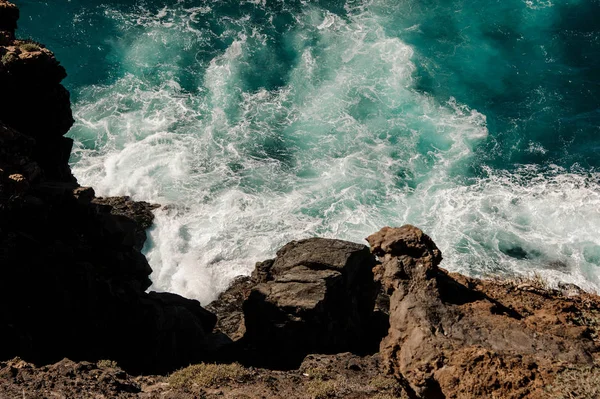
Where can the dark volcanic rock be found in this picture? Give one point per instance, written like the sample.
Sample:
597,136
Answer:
317,296
451,336
32,100
138,212
228,308
9,15
65,379
75,285
73,276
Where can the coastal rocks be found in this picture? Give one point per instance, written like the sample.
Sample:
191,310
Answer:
74,278
65,379
138,212
451,336
228,308
75,282
320,376
74,286
9,14
316,296
33,101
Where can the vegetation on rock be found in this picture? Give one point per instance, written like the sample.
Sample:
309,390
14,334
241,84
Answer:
29,47
208,375
8,58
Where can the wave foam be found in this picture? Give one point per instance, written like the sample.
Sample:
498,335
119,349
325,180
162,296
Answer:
340,147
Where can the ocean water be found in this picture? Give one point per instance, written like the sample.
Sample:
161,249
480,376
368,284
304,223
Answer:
261,121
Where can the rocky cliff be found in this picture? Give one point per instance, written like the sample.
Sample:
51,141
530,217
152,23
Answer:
324,318
73,276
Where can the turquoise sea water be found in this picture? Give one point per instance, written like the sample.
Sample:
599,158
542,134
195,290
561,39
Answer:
258,122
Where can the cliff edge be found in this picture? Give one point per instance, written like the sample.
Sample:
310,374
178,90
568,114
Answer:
325,318
74,279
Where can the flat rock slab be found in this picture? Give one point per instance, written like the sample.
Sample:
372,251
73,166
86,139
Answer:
316,296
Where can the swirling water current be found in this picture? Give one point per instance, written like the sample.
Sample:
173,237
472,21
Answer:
255,122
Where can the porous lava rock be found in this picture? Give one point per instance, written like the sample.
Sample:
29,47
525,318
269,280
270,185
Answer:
456,337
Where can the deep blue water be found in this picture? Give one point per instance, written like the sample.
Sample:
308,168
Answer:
259,122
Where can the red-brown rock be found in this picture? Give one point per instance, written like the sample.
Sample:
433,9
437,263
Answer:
455,337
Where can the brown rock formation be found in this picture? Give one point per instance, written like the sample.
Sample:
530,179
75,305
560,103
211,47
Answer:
456,337
228,308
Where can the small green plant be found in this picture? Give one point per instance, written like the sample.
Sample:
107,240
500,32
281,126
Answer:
383,382
208,375
105,363
316,373
28,47
319,389
8,58
576,382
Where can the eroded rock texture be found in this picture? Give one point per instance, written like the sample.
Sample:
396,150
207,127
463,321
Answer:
455,337
316,296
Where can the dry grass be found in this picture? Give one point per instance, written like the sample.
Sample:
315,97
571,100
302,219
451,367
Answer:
319,389
388,396
589,318
8,58
318,373
384,382
107,364
531,281
29,47
209,375
323,385
580,382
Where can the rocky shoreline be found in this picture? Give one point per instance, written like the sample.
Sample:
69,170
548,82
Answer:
74,276
325,318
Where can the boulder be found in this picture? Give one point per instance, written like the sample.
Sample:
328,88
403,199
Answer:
316,296
75,285
452,336
228,308
138,213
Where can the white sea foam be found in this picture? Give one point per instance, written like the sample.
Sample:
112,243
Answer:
530,220
344,147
